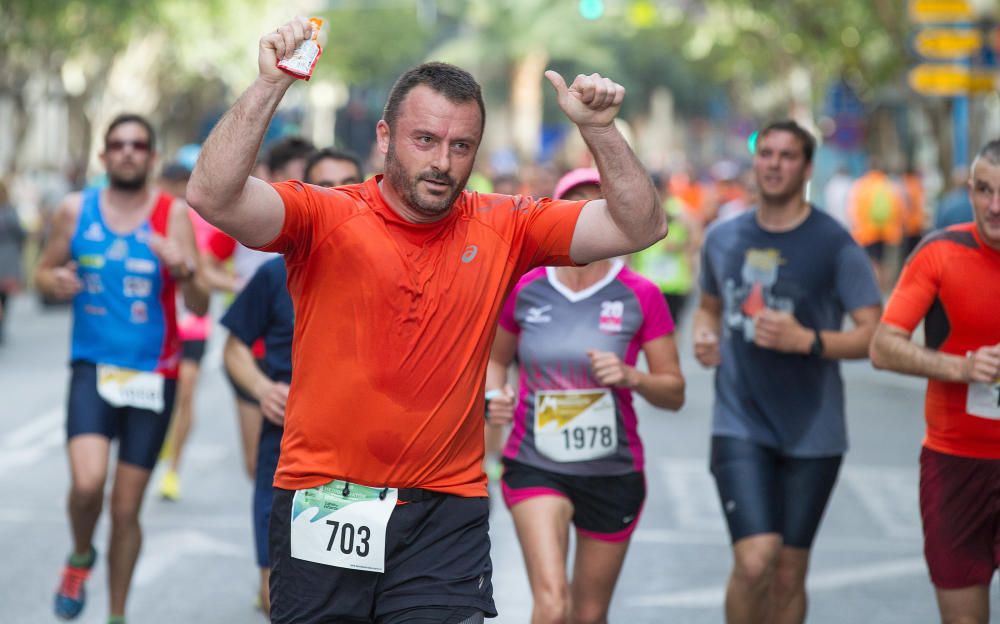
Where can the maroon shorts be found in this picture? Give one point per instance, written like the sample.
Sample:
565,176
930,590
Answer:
960,507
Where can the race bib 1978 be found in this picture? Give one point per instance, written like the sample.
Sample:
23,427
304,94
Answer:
575,425
342,525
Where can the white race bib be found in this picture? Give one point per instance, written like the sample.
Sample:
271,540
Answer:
575,425
342,531
124,387
983,400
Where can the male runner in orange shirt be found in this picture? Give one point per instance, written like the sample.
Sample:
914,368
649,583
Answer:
952,283
397,284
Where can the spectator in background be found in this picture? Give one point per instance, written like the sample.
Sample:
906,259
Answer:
11,244
836,194
955,206
914,214
670,262
875,208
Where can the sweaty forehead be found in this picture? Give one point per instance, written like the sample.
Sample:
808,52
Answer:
426,109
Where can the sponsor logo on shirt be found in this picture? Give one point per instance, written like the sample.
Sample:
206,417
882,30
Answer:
93,283
94,233
137,286
612,313
118,250
140,313
92,261
140,265
95,310
538,315
470,253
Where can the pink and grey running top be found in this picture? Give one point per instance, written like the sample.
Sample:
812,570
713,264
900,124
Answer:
564,421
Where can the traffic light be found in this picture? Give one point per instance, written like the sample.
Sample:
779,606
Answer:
591,9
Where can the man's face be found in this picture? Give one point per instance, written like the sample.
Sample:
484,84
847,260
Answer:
128,156
779,165
430,152
294,169
984,193
331,172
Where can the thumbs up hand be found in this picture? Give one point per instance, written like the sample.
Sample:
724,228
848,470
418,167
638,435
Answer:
590,101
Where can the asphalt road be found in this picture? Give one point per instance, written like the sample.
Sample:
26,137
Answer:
197,563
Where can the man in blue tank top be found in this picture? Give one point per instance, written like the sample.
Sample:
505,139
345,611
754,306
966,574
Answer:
120,253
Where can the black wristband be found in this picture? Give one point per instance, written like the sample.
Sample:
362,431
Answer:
816,350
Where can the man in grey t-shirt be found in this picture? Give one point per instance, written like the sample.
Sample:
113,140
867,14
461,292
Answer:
776,283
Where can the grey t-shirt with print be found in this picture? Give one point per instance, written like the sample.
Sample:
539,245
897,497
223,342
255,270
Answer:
792,403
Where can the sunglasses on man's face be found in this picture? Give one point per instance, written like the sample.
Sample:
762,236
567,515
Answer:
117,145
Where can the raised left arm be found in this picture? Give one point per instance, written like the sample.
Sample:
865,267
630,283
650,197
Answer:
629,218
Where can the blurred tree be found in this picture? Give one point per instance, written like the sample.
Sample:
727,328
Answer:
509,44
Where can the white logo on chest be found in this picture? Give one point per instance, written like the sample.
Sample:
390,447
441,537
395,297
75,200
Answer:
538,315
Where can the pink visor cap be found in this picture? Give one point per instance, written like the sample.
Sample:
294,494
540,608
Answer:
574,179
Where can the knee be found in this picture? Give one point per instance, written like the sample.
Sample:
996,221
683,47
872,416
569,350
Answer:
755,567
87,491
552,603
124,513
789,579
589,613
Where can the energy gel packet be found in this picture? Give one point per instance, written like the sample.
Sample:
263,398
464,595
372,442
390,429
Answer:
304,58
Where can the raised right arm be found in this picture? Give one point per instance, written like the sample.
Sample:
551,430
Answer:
221,188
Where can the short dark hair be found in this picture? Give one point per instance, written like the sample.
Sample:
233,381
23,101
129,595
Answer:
125,118
286,150
333,154
454,83
804,136
990,152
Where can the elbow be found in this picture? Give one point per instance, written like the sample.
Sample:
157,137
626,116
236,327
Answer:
876,353
197,199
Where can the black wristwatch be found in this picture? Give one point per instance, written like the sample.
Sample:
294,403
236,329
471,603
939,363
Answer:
816,350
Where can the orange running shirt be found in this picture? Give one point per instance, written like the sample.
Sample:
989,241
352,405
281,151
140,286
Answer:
393,327
952,282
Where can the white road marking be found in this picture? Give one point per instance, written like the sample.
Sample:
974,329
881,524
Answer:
890,495
693,501
163,551
31,441
713,597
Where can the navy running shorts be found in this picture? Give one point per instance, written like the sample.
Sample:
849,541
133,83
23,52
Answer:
604,508
140,432
268,451
437,556
193,350
763,491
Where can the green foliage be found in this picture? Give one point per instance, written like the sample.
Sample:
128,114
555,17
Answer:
373,44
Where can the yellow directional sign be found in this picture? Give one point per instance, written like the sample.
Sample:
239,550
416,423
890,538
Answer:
951,80
948,44
940,11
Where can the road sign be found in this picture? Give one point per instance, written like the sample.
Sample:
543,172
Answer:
951,80
941,11
948,44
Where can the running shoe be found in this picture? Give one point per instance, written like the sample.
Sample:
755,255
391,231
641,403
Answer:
72,595
170,486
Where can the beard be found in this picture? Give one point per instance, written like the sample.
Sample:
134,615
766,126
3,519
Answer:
133,182
406,186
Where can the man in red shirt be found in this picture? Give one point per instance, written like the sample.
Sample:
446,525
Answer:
952,283
379,510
